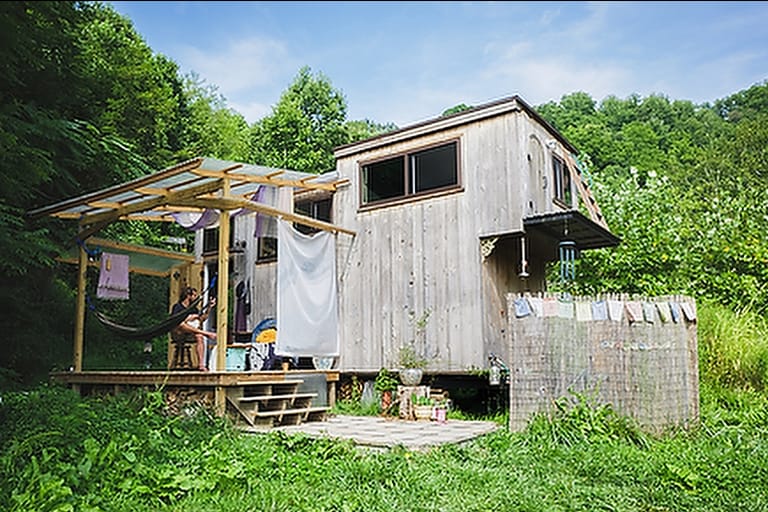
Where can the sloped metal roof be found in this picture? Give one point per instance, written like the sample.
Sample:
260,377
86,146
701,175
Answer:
191,186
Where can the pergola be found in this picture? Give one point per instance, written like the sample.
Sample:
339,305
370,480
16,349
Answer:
193,186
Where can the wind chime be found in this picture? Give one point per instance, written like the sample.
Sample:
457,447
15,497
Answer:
567,251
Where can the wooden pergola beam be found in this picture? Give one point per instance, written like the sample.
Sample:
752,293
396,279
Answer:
150,204
269,179
233,203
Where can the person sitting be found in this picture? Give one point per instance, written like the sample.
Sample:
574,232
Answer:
191,329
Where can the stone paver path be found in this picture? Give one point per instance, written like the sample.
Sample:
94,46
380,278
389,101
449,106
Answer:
380,432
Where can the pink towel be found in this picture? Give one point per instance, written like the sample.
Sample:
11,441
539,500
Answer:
114,281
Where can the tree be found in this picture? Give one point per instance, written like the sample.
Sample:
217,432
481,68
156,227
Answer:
365,129
304,127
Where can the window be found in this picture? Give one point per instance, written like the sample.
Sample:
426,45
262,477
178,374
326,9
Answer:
562,180
411,174
211,238
319,209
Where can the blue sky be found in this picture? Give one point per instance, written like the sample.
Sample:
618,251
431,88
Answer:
404,62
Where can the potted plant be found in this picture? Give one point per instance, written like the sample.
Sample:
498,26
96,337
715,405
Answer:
412,363
423,407
385,384
411,366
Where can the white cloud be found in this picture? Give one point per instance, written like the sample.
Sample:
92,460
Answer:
247,72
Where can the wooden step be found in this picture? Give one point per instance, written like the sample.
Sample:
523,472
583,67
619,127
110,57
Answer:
291,416
264,398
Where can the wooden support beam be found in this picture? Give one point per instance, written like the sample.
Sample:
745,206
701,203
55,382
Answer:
233,203
151,203
77,352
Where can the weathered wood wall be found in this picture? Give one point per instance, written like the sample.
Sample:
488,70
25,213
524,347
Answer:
424,255
644,363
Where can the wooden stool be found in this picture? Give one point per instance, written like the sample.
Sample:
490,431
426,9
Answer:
182,354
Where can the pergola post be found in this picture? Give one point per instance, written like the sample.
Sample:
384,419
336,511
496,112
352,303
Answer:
222,300
82,269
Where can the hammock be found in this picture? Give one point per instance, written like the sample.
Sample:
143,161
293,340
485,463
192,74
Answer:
146,333
152,331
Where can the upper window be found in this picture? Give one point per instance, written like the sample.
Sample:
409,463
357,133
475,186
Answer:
562,180
319,209
411,174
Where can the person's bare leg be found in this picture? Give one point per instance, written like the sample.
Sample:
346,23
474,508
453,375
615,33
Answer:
200,339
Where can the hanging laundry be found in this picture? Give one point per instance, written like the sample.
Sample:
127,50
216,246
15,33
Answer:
674,309
193,221
241,316
583,311
649,312
280,198
114,278
565,308
306,293
537,306
522,307
599,310
689,310
551,307
616,310
664,314
634,311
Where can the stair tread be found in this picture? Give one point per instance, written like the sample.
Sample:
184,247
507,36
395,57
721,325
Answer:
269,382
289,412
264,398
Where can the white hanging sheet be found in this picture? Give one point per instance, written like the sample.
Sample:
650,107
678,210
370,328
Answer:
307,311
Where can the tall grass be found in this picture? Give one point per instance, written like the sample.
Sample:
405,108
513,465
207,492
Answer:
59,452
733,347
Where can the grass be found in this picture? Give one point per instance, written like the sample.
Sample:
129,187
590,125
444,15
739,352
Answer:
60,452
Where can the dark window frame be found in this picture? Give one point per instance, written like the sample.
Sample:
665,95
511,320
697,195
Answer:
561,179
266,246
409,183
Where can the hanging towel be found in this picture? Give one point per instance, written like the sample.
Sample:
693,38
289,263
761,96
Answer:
663,309
599,310
114,280
689,310
522,308
634,311
551,307
674,309
649,312
306,293
583,311
537,306
615,310
565,309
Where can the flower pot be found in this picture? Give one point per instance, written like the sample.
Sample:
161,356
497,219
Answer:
411,376
423,412
386,400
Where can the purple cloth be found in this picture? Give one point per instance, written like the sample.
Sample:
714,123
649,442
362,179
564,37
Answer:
195,221
114,279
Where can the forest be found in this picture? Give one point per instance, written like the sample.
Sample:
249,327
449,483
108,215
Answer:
85,103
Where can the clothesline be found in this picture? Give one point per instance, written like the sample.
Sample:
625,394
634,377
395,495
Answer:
617,310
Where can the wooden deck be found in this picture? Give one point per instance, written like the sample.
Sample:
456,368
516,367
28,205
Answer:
222,390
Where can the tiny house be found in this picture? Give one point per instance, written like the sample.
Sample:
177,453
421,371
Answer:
449,216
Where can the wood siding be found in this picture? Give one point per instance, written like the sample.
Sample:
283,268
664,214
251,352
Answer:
424,255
